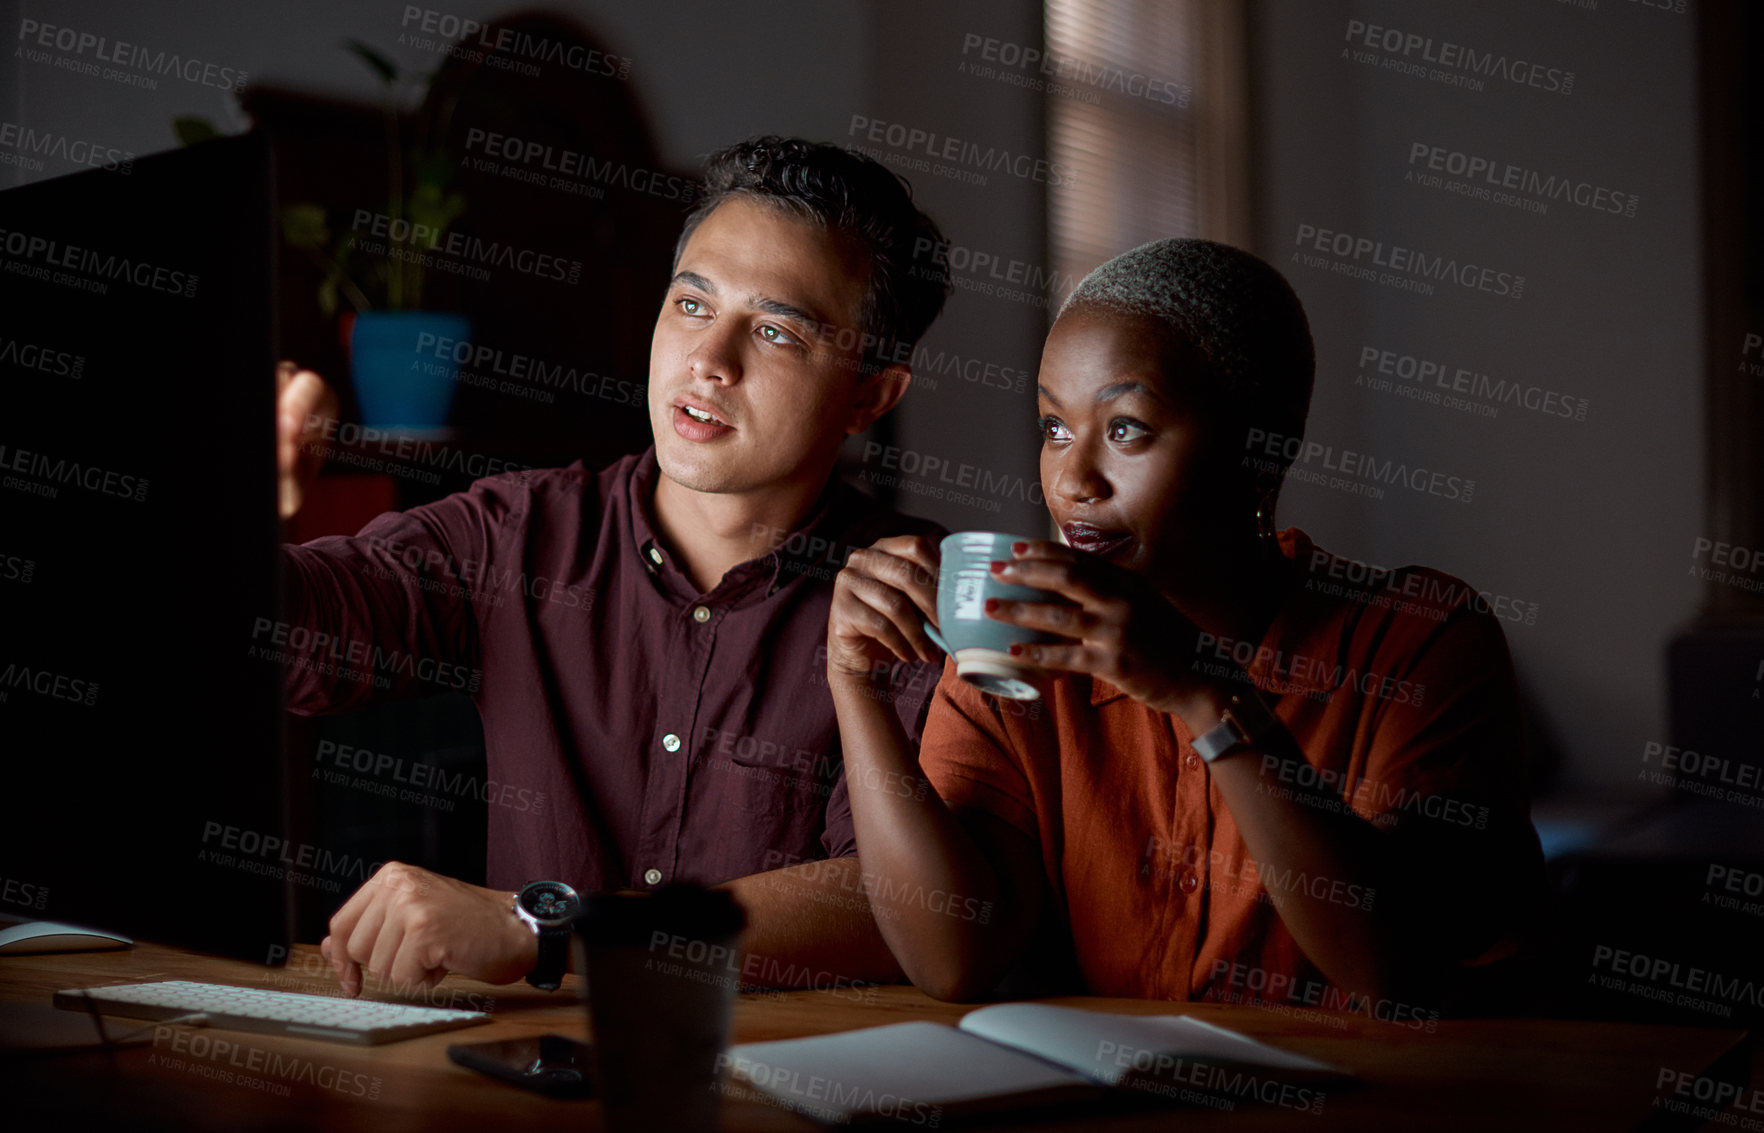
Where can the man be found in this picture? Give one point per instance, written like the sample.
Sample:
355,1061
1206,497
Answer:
651,639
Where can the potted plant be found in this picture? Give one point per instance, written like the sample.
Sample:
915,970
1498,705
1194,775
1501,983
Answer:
379,273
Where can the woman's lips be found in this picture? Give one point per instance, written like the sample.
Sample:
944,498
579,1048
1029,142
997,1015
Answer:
1093,540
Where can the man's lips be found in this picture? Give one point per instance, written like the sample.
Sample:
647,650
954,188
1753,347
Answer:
703,409
1093,540
693,427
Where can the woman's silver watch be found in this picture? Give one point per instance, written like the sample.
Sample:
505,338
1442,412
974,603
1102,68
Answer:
1244,720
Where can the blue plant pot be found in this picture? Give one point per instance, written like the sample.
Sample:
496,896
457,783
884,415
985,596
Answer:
404,368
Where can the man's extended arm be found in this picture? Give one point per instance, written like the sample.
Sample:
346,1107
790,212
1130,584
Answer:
385,613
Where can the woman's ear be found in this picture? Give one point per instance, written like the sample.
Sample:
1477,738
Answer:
877,394
1267,486
1267,490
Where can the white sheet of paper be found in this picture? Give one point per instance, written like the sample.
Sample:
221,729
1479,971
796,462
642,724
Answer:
1107,1048
890,1069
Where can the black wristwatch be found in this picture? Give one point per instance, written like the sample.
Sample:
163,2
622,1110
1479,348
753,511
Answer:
549,907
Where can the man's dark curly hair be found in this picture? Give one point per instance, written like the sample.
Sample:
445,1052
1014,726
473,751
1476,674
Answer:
845,192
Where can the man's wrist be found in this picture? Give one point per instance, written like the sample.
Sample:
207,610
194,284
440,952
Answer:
523,939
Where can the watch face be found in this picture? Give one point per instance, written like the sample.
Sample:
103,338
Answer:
549,901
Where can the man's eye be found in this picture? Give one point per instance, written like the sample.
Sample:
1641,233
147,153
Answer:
1122,430
689,306
776,336
1054,429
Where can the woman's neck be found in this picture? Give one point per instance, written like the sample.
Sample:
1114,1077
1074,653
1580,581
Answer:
1234,591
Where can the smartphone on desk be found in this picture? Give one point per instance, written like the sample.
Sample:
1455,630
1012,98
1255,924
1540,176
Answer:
551,1064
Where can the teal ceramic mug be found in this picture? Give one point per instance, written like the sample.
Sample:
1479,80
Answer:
981,645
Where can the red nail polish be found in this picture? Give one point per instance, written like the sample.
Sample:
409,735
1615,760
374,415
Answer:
1016,649
1019,547
991,605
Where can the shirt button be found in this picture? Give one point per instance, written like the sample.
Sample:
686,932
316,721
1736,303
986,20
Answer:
671,742
655,556
1189,882
701,614
652,877
1193,762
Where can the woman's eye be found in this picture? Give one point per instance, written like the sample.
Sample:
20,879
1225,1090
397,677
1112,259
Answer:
1054,429
1122,430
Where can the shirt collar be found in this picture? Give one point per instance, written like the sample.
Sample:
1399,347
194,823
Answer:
654,560
804,552
1304,650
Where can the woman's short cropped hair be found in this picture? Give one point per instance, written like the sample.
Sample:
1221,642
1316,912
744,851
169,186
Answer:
1236,310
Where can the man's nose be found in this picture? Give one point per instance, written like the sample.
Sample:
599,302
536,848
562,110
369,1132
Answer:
715,357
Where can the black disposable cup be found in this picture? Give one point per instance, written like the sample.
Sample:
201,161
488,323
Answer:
661,972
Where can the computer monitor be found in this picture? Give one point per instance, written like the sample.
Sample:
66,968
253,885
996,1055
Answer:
140,736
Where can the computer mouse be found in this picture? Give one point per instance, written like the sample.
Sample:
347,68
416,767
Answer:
33,937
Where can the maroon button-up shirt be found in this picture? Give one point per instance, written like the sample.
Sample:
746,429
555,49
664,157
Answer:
667,735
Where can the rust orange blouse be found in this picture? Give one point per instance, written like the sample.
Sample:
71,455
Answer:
1397,686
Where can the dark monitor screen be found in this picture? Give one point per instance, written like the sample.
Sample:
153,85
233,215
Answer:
140,736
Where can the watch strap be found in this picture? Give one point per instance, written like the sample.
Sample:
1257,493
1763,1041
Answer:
554,955
1243,721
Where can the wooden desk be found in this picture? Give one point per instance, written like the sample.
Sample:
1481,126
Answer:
1510,1074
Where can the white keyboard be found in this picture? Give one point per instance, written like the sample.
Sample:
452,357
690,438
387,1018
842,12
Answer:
328,1017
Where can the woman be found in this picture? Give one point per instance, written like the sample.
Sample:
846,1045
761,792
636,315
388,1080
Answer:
1260,780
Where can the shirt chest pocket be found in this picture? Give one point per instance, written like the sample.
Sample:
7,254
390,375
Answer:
778,779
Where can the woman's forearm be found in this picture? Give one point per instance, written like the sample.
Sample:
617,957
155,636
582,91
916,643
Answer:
1360,911
925,875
